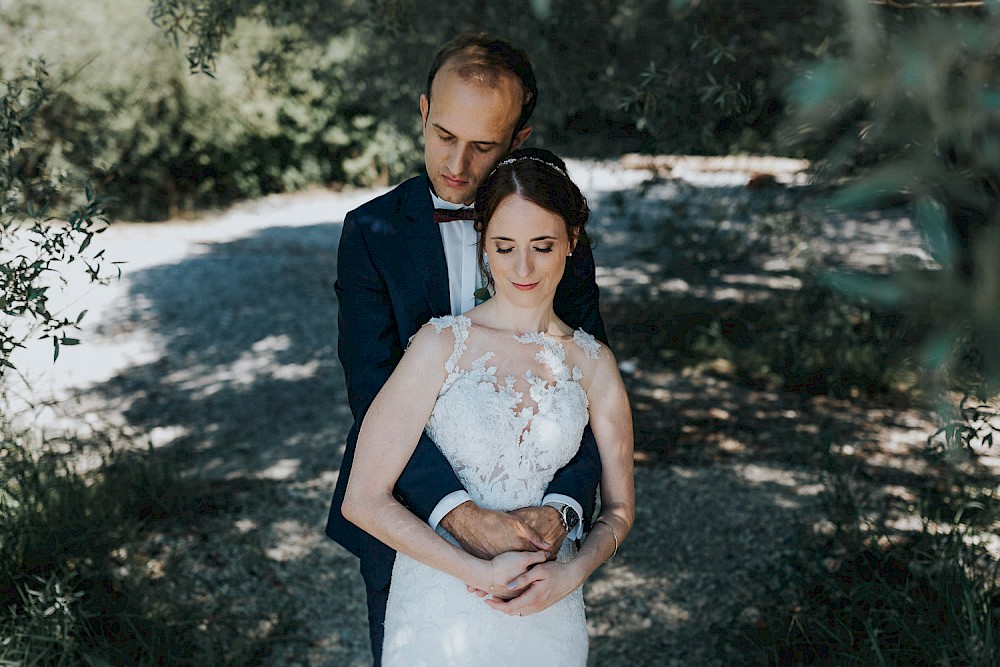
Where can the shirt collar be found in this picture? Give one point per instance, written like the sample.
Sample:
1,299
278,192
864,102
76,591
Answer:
440,203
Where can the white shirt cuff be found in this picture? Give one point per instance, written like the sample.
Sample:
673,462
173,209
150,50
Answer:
447,504
577,532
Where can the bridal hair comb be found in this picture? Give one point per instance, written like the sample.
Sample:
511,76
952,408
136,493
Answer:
512,160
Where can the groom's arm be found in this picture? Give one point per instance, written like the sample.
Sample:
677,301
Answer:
577,482
369,348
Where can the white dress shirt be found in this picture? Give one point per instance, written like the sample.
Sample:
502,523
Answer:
459,237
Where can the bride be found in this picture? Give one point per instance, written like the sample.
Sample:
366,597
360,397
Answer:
505,391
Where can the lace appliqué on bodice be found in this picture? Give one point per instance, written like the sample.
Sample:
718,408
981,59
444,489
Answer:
505,453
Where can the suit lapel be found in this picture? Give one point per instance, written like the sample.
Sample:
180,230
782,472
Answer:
424,242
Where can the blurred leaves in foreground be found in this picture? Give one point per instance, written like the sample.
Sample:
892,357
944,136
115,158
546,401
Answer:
912,105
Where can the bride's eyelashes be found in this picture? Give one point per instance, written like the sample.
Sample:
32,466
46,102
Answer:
504,251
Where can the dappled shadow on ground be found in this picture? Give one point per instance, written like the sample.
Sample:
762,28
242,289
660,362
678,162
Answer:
245,401
707,541
246,392
248,376
705,309
732,483
709,301
246,397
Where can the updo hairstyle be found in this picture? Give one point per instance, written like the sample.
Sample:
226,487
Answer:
536,175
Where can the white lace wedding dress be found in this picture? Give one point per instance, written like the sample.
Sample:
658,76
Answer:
505,451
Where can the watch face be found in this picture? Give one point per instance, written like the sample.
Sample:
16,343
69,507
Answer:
572,518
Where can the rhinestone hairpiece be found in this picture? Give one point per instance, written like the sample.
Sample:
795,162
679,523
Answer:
512,160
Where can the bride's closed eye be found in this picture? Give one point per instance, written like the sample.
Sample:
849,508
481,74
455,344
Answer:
504,251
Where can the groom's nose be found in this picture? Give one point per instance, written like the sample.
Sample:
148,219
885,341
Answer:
458,160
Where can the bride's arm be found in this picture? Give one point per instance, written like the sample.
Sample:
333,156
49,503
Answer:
611,421
389,433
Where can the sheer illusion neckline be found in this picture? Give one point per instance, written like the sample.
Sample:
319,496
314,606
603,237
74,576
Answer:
500,333
551,354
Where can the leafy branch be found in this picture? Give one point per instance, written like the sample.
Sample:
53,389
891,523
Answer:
36,245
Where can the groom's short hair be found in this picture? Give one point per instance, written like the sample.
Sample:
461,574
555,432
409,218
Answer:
485,57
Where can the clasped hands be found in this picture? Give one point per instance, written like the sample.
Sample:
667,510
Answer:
520,535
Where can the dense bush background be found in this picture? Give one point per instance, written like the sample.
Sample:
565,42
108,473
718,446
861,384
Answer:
328,95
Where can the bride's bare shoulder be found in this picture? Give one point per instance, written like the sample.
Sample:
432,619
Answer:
595,359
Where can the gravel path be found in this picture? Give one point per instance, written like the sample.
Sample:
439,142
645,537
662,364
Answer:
218,346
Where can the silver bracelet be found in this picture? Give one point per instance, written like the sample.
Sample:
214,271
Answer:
614,533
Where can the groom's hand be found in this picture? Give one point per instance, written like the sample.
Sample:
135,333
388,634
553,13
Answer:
488,533
546,522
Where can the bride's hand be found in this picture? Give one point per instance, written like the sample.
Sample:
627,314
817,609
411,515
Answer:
505,567
538,588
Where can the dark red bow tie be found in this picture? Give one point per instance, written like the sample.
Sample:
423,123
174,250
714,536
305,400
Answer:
450,214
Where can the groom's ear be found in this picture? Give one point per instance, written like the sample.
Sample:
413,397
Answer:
425,107
520,138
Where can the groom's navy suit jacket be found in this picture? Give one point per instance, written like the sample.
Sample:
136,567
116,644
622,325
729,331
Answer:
392,277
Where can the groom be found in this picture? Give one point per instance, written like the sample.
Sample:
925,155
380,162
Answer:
409,255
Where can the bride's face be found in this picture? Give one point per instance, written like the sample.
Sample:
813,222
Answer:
527,247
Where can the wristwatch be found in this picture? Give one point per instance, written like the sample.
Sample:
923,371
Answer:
569,517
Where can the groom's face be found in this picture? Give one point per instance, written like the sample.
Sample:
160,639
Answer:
468,127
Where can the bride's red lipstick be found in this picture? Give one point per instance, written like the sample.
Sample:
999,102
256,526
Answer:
525,288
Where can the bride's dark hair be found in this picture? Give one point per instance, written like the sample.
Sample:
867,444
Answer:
536,175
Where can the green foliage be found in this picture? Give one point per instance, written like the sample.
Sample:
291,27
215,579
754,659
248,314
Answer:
865,595
66,593
971,424
130,118
210,24
927,602
715,86
908,113
703,76
319,92
35,243
911,106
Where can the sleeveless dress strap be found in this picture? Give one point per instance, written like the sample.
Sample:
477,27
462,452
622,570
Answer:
460,328
587,343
